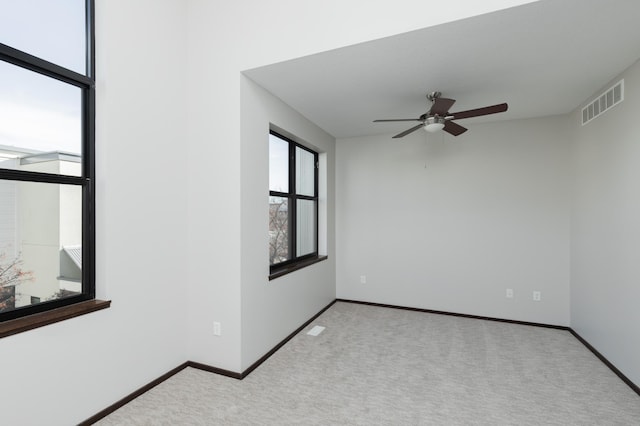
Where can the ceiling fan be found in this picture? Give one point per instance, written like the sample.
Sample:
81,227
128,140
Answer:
439,118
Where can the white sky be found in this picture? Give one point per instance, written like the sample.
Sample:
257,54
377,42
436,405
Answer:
50,29
38,112
55,132
278,164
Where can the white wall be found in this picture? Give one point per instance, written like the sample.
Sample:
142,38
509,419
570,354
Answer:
224,39
271,310
605,233
63,373
447,223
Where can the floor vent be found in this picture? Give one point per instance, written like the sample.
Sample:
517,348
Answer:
605,101
316,330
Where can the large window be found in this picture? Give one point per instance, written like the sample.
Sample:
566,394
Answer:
46,156
293,204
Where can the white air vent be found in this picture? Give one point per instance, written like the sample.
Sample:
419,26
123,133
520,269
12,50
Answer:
316,330
605,101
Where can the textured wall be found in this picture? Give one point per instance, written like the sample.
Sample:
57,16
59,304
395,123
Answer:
448,223
605,232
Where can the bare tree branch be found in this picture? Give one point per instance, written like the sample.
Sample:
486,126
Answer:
11,274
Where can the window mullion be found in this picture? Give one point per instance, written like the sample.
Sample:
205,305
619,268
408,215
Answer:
88,239
316,194
29,176
279,194
91,39
293,243
33,63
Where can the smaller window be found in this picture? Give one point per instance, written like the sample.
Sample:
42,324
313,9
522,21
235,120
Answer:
293,204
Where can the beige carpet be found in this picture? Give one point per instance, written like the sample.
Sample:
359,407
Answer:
382,366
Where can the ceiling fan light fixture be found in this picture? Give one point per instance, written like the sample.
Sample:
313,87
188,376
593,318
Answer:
439,118
434,124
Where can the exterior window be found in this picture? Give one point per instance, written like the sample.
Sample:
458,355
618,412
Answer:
47,103
293,203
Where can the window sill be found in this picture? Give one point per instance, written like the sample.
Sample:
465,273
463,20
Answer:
290,268
41,319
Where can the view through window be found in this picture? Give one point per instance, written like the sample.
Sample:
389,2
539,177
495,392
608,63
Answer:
46,155
293,202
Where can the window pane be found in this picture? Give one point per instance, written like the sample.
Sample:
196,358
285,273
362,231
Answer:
52,30
305,172
306,227
40,122
41,245
278,164
278,230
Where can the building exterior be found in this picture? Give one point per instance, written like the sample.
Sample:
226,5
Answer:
40,229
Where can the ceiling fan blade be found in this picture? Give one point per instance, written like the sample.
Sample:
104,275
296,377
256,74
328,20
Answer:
441,106
493,109
411,130
454,128
397,119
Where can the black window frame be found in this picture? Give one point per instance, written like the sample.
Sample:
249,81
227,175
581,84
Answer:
296,262
86,83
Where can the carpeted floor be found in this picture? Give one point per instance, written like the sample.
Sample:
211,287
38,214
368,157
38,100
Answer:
382,366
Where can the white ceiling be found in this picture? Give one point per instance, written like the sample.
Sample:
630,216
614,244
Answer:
543,58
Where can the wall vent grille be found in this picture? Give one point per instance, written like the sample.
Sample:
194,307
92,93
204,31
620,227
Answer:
604,102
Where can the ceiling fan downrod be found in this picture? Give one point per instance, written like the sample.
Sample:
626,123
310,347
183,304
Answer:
433,96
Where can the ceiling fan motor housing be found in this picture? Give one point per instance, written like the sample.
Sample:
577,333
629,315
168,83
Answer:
433,96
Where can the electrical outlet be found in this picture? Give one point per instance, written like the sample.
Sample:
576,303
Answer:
363,279
509,293
537,296
217,329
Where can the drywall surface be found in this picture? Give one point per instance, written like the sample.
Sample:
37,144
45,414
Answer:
271,310
224,39
449,223
64,373
605,230
281,30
